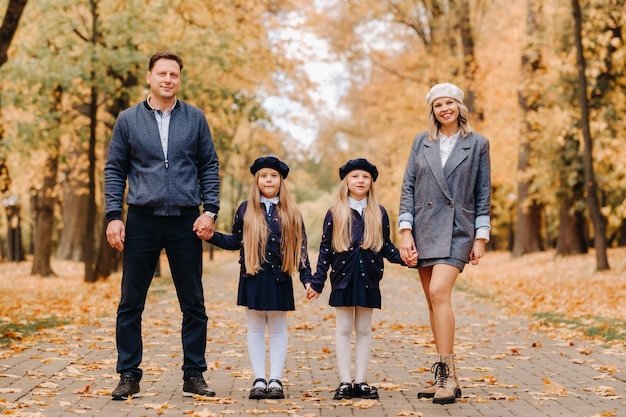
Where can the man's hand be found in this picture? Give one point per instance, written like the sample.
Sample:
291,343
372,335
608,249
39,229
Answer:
204,226
116,234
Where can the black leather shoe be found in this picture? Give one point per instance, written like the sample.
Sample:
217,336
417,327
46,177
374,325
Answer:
363,390
196,385
343,391
257,392
273,392
127,387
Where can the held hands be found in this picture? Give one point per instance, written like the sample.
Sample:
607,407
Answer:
408,251
204,226
311,294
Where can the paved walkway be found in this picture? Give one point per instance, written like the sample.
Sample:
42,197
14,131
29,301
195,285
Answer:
507,368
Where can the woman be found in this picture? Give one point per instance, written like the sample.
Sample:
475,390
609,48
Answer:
445,218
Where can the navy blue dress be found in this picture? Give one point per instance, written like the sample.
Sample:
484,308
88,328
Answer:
271,288
356,273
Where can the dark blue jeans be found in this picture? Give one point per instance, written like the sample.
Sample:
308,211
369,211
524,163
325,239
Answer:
146,236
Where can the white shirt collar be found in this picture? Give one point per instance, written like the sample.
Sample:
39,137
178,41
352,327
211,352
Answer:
268,202
273,200
154,108
358,205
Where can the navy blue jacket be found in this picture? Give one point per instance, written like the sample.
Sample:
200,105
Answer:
273,251
343,264
189,178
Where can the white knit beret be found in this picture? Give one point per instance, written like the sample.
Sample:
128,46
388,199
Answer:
444,90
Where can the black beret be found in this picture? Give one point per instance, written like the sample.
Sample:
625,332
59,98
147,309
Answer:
359,163
270,162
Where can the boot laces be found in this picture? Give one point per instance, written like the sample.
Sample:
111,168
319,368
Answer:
441,371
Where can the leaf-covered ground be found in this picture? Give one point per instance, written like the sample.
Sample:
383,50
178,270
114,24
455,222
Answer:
501,362
566,294
563,294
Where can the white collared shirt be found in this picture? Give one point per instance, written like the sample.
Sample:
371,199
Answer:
358,205
163,122
446,144
268,202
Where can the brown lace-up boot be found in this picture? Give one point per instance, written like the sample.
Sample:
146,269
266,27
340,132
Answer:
448,389
429,392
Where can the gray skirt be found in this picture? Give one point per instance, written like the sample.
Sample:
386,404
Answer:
457,263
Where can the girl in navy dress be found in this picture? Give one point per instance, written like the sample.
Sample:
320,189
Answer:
269,232
355,239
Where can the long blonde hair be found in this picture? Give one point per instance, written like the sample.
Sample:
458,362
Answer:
342,221
464,124
256,229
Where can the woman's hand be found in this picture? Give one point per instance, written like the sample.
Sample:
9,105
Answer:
478,251
408,251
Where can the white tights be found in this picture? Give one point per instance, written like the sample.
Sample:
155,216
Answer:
276,322
347,318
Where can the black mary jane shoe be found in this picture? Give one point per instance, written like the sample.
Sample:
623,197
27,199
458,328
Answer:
273,392
343,391
257,392
365,391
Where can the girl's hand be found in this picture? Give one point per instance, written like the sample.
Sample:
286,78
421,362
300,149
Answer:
478,251
408,251
311,294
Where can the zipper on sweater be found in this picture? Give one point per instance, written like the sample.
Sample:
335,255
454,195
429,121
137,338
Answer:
167,164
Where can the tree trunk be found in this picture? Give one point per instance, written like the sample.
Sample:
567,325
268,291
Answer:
90,235
528,231
573,235
10,22
528,225
572,238
621,237
598,221
46,200
470,66
9,26
73,233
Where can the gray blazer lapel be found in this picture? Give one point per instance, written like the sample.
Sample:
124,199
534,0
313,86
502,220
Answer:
459,153
433,158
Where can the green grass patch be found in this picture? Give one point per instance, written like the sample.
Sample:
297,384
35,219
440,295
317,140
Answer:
606,329
10,332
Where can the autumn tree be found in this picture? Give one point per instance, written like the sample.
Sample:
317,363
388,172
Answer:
229,71
593,204
391,53
10,22
529,209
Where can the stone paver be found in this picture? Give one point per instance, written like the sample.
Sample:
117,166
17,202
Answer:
507,367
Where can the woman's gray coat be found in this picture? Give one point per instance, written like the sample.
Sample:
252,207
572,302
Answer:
447,204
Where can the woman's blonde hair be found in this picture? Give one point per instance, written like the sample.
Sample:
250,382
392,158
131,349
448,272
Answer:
464,124
256,229
342,221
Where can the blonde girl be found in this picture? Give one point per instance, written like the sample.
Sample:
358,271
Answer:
355,239
269,232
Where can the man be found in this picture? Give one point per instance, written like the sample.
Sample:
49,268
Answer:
163,147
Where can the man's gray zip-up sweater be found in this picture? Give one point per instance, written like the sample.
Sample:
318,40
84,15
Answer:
187,178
